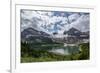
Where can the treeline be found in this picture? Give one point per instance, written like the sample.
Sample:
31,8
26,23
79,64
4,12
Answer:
85,51
37,53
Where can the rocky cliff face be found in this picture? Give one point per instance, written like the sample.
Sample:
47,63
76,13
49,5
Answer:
32,35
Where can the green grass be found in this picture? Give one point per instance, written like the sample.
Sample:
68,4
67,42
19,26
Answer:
43,56
44,59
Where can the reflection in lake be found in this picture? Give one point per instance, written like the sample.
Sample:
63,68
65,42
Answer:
68,50
58,49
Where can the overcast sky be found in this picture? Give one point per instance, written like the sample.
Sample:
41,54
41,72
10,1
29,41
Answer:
54,21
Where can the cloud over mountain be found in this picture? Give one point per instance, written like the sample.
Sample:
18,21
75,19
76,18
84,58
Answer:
54,21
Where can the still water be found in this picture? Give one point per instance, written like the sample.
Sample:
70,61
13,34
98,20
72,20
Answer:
68,50
58,49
